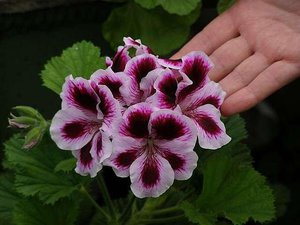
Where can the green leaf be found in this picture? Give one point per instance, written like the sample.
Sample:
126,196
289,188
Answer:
35,173
194,216
234,191
33,212
223,5
8,197
66,165
172,6
235,128
161,31
82,59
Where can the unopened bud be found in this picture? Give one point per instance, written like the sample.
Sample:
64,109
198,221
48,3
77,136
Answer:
33,137
30,119
28,111
21,122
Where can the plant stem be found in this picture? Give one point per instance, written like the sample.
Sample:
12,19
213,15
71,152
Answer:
127,209
94,203
106,196
166,220
166,210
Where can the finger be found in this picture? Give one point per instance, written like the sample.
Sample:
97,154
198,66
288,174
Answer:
212,36
274,77
244,73
228,56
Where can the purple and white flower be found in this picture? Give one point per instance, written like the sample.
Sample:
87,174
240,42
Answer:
153,147
142,116
197,97
120,59
83,124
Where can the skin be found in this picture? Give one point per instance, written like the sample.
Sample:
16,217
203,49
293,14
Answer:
255,46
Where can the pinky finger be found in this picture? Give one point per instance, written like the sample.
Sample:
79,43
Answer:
267,82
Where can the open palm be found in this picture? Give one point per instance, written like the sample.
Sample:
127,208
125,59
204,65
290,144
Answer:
255,46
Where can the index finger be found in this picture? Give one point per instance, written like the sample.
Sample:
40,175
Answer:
216,33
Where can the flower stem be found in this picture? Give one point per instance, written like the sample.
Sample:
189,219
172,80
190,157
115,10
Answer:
106,196
127,209
166,220
94,203
165,211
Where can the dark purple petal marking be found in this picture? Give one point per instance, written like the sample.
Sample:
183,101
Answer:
105,106
99,146
108,104
113,85
212,100
196,68
168,87
125,159
165,102
76,129
208,124
175,161
141,67
73,130
120,60
150,174
83,97
138,124
167,127
85,155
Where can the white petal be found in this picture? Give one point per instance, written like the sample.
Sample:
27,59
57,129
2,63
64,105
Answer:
71,129
86,164
171,63
114,81
150,176
147,83
101,146
166,87
183,163
211,130
125,151
120,59
211,93
79,94
196,66
109,107
139,66
137,44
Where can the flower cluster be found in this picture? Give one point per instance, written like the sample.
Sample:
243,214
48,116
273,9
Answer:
142,116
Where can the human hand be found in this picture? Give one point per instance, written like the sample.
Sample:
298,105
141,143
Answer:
255,46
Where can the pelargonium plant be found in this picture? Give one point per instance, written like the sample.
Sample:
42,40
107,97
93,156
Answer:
152,119
142,116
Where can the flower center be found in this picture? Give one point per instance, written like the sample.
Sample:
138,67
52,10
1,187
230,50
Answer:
150,146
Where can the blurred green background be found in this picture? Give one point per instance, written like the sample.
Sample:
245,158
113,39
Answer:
29,39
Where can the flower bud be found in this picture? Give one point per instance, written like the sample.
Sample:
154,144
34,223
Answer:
32,121
28,111
33,137
21,122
